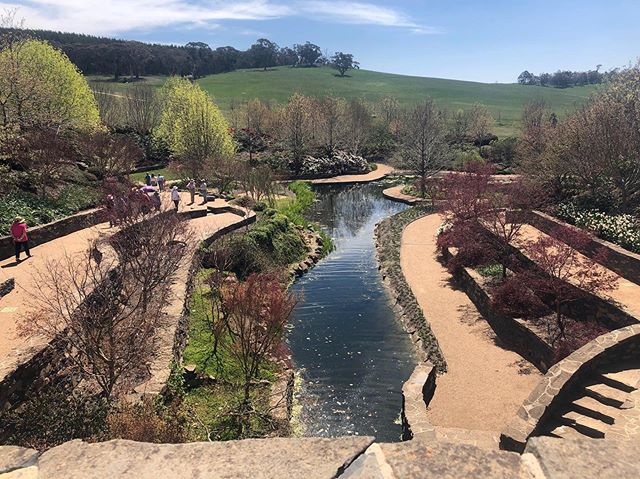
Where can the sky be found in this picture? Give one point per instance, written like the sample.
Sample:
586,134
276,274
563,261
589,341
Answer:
477,40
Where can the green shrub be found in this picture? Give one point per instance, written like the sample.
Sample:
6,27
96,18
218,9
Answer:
37,211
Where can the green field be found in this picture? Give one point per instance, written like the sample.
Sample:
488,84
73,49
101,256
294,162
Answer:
504,100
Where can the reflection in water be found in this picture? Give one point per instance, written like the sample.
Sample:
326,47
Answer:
353,353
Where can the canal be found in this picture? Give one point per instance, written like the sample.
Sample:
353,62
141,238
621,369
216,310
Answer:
352,352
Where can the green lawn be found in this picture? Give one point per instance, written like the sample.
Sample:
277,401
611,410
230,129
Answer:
168,174
504,100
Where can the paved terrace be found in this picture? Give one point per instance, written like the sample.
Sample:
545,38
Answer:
13,348
378,174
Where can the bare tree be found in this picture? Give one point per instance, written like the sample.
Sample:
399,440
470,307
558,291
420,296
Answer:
422,148
110,104
330,121
108,307
296,122
142,109
257,311
357,124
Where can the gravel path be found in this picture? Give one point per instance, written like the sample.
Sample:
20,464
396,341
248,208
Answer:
484,384
379,173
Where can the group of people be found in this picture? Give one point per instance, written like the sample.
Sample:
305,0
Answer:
151,180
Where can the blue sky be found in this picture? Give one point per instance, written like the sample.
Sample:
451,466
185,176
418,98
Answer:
491,40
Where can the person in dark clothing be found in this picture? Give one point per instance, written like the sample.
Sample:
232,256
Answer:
147,179
20,239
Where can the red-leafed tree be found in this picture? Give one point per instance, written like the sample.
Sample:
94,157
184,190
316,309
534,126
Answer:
474,204
563,275
256,312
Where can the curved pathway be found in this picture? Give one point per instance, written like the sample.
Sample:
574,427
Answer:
14,348
485,383
395,194
378,174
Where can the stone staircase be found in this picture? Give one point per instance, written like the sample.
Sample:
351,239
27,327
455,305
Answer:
607,406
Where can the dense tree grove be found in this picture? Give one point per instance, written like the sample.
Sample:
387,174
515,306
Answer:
127,58
566,78
591,158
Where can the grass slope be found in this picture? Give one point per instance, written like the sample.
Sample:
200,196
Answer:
504,100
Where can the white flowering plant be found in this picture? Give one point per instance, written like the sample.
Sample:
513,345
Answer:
623,230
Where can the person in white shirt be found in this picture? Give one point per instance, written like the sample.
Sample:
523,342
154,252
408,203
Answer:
175,196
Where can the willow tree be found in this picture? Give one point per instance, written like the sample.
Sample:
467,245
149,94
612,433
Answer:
41,88
193,128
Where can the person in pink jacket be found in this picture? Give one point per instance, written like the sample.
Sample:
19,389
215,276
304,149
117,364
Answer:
20,238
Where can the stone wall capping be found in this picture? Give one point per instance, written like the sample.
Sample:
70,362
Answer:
323,458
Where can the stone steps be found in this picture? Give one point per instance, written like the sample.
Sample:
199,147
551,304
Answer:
606,394
585,425
628,379
588,406
601,407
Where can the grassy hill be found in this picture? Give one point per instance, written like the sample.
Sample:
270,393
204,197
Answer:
504,100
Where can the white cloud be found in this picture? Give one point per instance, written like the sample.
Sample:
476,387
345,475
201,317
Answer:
116,16
111,17
364,14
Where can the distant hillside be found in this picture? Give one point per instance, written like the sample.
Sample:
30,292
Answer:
504,101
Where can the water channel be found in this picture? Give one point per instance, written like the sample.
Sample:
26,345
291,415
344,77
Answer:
352,351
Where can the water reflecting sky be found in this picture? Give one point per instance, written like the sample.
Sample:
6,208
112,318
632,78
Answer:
353,352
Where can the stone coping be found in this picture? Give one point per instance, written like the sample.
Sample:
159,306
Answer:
560,378
322,458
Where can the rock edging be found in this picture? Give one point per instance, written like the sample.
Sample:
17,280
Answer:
388,235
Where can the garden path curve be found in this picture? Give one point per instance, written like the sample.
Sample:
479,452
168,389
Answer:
485,383
380,172
17,302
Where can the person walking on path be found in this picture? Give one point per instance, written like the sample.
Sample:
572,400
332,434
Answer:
191,186
20,238
147,179
175,196
161,182
154,181
155,201
203,191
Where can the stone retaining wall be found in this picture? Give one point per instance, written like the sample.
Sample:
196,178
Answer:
563,379
50,231
174,338
417,393
26,372
514,332
589,305
623,262
7,286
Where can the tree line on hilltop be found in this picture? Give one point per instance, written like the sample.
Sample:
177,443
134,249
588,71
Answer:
127,58
566,78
